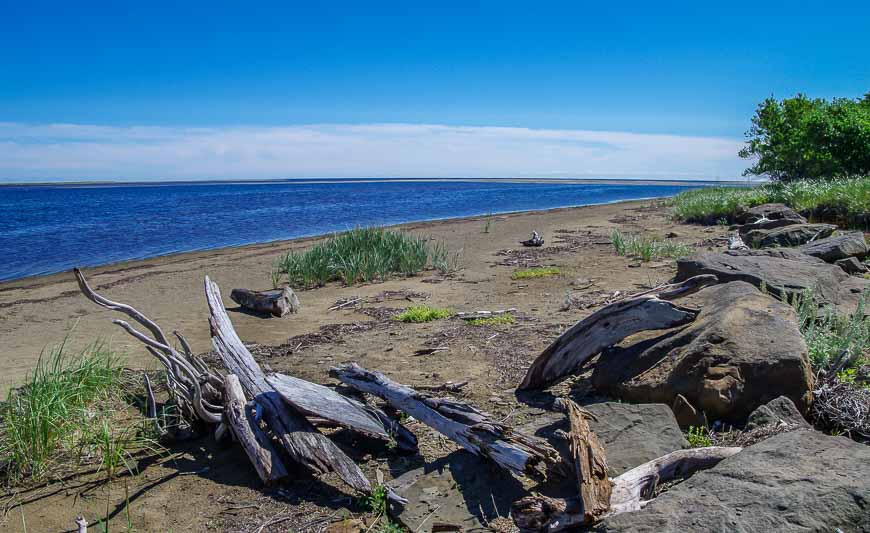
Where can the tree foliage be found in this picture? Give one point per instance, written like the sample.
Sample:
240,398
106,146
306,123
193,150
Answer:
803,138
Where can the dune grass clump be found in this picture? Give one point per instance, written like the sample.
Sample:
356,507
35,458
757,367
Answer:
48,420
497,320
830,336
422,313
843,201
537,272
646,248
363,255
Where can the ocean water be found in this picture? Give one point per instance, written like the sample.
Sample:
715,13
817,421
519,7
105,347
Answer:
47,229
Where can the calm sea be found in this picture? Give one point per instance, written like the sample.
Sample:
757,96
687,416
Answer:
46,229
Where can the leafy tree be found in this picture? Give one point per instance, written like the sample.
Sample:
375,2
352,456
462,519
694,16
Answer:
802,138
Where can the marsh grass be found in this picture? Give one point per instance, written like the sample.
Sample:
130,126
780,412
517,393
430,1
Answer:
422,313
842,201
537,272
497,320
363,255
647,248
828,334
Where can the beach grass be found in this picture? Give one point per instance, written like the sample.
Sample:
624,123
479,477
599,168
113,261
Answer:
364,255
497,320
536,272
843,201
648,248
50,416
422,313
828,334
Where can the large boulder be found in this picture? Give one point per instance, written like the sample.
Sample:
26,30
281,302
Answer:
797,481
851,265
832,249
793,235
783,272
770,212
743,350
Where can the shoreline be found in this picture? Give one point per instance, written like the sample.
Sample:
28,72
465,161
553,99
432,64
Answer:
10,284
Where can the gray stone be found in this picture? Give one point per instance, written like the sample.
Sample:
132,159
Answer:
833,249
797,481
779,410
770,212
784,273
793,235
743,350
851,265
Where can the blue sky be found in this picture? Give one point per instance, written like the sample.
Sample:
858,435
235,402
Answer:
101,89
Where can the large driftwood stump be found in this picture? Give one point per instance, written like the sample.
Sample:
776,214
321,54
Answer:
303,442
316,400
472,429
277,302
257,445
608,326
590,465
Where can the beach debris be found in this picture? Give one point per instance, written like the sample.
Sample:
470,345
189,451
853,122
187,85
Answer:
735,242
534,241
610,325
276,302
342,303
81,524
474,315
460,422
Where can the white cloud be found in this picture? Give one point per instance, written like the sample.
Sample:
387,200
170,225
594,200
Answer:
76,152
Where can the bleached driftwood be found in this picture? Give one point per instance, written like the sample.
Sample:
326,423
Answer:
631,491
535,240
246,428
277,302
472,429
590,465
303,442
672,291
735,242
473,315
81,524
193,386
324,403
600,330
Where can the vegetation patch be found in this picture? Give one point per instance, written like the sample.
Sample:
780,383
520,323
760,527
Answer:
646,248
363,255
422,313
492,320
842,201
699,437
537,272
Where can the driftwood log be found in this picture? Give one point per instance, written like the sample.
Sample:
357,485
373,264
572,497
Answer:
534,241
299,438
241,419
631,491
590,465
608,326
324,403
277,302
460,422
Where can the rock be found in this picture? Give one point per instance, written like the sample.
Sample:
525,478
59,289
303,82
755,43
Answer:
797,481
671,235
743,350
783,272
460,489
277,302
833,249
776,411
851,265
769,211
686,414
793,235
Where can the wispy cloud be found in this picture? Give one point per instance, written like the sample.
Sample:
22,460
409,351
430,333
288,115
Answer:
75,151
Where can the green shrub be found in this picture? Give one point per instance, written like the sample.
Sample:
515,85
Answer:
646,248
828,334
422,313
699,437
364,255
537,272
492,320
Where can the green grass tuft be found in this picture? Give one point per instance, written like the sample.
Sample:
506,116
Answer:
363,255
422,313
537,272
843,201
492,320
699,437
646,248
828,334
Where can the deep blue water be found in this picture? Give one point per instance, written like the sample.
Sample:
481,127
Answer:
45,229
